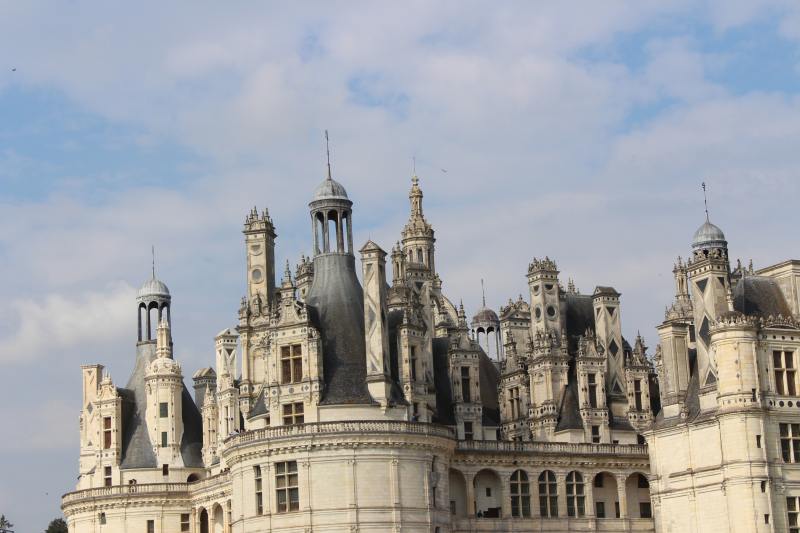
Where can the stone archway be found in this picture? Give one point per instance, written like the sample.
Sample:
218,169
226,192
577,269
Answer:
637,493
488,494
203,521
606,496
458,493
218,519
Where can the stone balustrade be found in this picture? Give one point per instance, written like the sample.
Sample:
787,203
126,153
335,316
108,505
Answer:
327,428
125,490
551,447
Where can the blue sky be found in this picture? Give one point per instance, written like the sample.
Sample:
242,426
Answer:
581,131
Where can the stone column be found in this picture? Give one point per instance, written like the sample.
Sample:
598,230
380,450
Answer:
622,495
561,484
505,495
469,477
588,490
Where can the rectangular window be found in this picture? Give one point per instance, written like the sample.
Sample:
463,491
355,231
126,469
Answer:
644,510
616,509
151,526
102,518
513,402
468,431
637,393
466,393
164,470
259,491
185,522
163,409
453,507
293,413
793,510
287,494
107,476
595,434
106,432
291,363
600,509
163,439
592,378
412,363
790,442
785,373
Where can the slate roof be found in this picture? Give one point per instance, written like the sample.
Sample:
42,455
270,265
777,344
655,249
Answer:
759,296
489,378
335,304
260,407
137,450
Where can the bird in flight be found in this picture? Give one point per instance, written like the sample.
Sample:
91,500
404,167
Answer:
14,69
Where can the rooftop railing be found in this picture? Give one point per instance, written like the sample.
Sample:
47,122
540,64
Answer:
326,428
125,490
550,447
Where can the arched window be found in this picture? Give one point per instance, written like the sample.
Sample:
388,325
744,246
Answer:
334,237
419,255
576,499
548,495
520,495
192,478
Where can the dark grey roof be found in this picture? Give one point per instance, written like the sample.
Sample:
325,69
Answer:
137,450
336,307
260,407
489,379
579,317
569,416
192,441
441,378
620,424
759,296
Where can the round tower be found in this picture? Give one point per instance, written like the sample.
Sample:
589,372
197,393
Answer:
486,330
153,303
418,239
336,298
164,389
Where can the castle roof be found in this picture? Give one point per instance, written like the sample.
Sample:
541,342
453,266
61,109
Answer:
153,287
708,235
329,189
759,296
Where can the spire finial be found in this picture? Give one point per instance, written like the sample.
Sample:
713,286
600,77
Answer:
483,293
153,252
328,152
705,200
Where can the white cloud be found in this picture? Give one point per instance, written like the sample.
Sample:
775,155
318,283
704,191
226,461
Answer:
56,323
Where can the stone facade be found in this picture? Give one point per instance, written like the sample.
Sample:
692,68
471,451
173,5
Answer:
722,449
334,406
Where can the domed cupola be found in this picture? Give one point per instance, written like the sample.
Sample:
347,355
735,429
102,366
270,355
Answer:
330,189
331,216
708,236
486,329
153,303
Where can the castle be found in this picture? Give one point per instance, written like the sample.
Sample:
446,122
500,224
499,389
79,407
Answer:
375,405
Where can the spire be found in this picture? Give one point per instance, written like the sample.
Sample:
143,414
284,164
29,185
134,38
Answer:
705,200
328,152
483,293
153,252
